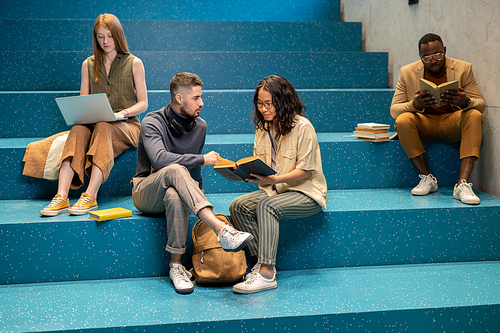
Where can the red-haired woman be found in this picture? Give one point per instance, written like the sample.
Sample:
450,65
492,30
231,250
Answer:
91,149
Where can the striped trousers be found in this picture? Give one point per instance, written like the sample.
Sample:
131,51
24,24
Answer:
259,214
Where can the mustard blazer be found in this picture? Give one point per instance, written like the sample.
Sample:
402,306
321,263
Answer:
409,84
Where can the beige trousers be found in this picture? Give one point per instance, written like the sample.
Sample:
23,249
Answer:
171,190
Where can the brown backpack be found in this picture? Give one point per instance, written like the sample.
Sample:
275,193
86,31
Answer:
211,264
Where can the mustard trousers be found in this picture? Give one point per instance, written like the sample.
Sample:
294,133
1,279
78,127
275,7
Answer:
98,144
465,126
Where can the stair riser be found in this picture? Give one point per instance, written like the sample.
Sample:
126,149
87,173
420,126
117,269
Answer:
467,319
85,249
346,165
36,114
218,70
198,10
76,35
17,186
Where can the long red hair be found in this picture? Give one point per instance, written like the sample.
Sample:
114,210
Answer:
111,23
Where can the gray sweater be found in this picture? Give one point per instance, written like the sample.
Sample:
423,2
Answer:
158,147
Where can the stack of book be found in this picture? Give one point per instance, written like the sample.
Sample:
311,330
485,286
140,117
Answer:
372,132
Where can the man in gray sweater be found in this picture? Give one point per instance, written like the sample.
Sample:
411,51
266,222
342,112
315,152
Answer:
168,174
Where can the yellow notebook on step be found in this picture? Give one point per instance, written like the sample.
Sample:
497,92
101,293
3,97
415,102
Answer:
109,214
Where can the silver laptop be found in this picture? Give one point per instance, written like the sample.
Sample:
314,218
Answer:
86,109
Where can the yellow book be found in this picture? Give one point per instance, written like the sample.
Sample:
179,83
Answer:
109,214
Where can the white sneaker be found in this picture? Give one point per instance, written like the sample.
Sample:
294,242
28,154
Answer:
181,279
233,240
463,192
428,183
255,282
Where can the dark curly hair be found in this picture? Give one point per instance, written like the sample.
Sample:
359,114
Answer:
286,102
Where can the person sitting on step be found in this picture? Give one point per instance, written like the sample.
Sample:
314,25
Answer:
286,141
419,119
91,149
168,174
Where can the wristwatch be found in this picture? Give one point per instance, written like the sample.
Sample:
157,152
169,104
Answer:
467,105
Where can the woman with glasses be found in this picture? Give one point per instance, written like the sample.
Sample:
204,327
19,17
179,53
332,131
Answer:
91,149
287,142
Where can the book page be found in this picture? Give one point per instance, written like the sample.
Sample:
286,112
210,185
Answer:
373,125
225,163
246,160
452,85
436,91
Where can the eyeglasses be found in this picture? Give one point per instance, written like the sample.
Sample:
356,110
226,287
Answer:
438,56
267,105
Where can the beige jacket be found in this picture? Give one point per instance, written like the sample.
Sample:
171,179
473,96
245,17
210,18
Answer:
409,84
298,149
42,158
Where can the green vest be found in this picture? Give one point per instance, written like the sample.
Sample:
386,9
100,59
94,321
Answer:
118,86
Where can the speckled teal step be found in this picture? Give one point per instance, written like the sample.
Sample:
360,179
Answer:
76,35
347,163
460,297
358,228
220,10
35,113
54,70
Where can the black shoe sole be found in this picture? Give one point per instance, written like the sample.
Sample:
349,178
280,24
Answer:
184,291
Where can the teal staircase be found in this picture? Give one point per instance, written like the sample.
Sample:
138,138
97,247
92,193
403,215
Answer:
375,260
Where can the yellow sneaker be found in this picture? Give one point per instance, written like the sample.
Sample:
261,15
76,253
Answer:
57,206
84,205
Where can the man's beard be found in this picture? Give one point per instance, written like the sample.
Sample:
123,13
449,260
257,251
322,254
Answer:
183,112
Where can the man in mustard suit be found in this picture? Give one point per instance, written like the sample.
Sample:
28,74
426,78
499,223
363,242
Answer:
419,119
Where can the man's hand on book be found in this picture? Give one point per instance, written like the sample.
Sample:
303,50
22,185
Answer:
211,158
423,100
455,97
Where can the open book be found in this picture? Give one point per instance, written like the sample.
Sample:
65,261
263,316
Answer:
436,91
241,170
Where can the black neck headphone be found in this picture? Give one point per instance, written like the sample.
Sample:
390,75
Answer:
176,127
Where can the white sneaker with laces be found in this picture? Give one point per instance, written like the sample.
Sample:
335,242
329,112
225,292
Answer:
255,282
233,240
181,279
428,183
463,192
